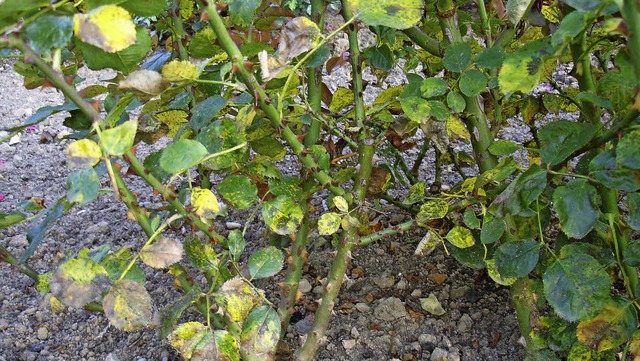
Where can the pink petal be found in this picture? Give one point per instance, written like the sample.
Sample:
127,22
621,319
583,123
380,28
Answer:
32,127
3,162
2,196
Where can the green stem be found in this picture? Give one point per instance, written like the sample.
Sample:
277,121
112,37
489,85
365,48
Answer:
415,170
486,27
583,73
356,70
219,28
178,29
8,257
632,22
423,40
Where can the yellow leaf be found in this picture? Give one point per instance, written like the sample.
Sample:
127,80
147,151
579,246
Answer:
174,119
457,129
108,27
204,202
145,84
179,70
83,153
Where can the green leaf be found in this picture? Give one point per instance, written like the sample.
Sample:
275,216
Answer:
460,237
265,262
433,87
577,287
490,58
605,170
124,60
84,153
457,57
415,108
119,140
236,243
570,27
128,306
201,255
170,314
587,5
456,102
525,189
181,155
633,205
397,14
632,253
379,57
261,332
516,9
162,253
329,223
628,151
439,111
282,214
205,110
470,219
559,139
83,186
492,270
9,219
79,281
239,191
220,136
492,229
49,32
503,147
37,231
472,82
116,263
576,207
612,327
521,69
517,258
269,147
243,11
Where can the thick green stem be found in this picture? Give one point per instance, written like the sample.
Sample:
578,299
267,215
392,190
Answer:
582,71
218,26
314,88
527,313
426,42
356,70
632,22
481,136
486,26
8,257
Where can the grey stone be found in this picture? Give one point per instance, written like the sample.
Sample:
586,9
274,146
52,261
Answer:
427,339
43,333
304,286
390,309
384,282
439,354
402,285
465,323
363,307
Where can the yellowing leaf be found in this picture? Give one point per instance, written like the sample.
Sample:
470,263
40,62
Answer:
162,253
329,223
128,306
460,237
270,66
108,27
457,129
495,275
179,70
204,202
174,119
299,35
83,153
237,298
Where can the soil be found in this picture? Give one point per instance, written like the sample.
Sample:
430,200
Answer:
378,316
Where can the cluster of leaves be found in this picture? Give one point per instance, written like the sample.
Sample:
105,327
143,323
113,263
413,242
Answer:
230,93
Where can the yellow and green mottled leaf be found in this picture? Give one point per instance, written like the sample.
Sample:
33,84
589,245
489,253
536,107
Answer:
128,306
179,71
261,332
174,119
239,191
78,281
397,14
237,298
282,214
612,327
341,98
83,153
119,140
108,27
329,223
204,202
341,204
495,275
434,209
460,237
265,262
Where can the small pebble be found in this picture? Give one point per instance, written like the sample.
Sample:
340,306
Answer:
233,225
304,286
348,344
43,333
439,354
363,307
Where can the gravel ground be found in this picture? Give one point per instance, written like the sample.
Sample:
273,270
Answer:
379,315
